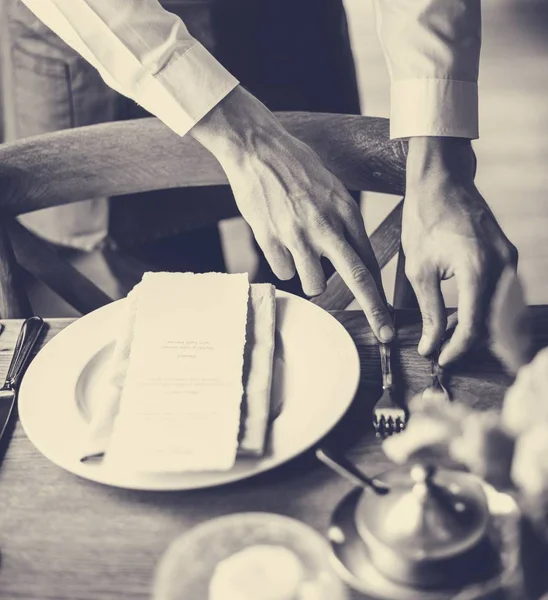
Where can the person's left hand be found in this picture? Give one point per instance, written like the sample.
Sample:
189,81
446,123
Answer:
449,231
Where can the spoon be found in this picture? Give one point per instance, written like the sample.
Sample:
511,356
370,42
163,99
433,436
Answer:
345,468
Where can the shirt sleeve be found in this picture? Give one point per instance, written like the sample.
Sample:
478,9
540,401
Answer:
432,51
144,52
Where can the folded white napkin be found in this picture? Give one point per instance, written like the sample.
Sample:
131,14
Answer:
257,372
183,420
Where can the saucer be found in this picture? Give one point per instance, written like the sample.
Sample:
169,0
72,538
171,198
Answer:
351,559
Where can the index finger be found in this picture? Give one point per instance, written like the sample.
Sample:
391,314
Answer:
362,284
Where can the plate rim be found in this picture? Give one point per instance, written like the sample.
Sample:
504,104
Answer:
170,482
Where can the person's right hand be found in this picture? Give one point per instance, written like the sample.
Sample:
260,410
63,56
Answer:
299,211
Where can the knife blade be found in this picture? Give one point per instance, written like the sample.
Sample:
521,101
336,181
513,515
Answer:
28,336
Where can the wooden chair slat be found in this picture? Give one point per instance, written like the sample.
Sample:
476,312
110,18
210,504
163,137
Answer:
14,303
404,296
143,155
385,241
43,262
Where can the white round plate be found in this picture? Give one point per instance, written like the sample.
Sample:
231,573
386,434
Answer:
316,374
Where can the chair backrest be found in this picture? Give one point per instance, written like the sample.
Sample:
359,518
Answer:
143,155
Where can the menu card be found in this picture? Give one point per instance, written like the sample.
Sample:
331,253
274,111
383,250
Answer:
180,404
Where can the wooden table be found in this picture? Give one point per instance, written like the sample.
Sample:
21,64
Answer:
67,538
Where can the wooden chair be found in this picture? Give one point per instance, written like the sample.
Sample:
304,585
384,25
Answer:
144,155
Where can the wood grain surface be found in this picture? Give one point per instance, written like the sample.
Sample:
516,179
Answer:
62,537
143,155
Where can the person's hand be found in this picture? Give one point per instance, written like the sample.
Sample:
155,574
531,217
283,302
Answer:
299,212
449,231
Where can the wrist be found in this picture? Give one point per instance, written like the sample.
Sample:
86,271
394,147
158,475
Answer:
233,126
440,157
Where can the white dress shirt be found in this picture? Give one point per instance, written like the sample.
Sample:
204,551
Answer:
432,51
431,47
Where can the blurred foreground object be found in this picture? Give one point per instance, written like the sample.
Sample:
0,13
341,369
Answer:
508,449
248,556
505,448
510,339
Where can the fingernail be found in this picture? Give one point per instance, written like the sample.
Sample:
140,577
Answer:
386,333
442,360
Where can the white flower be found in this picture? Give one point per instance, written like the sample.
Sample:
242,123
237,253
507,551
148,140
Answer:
505,449
433,424
526,401
530,464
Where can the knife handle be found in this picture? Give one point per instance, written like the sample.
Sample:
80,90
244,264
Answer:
28,336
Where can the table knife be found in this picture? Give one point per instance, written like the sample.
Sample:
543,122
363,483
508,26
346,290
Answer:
28,336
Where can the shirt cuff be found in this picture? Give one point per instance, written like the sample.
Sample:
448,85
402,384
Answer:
434,107
186,89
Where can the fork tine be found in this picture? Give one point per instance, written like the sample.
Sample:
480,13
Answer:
388,417
387,424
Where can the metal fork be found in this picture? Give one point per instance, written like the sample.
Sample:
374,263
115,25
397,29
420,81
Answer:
388,416
436,389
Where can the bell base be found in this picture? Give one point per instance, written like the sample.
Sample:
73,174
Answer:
351,558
